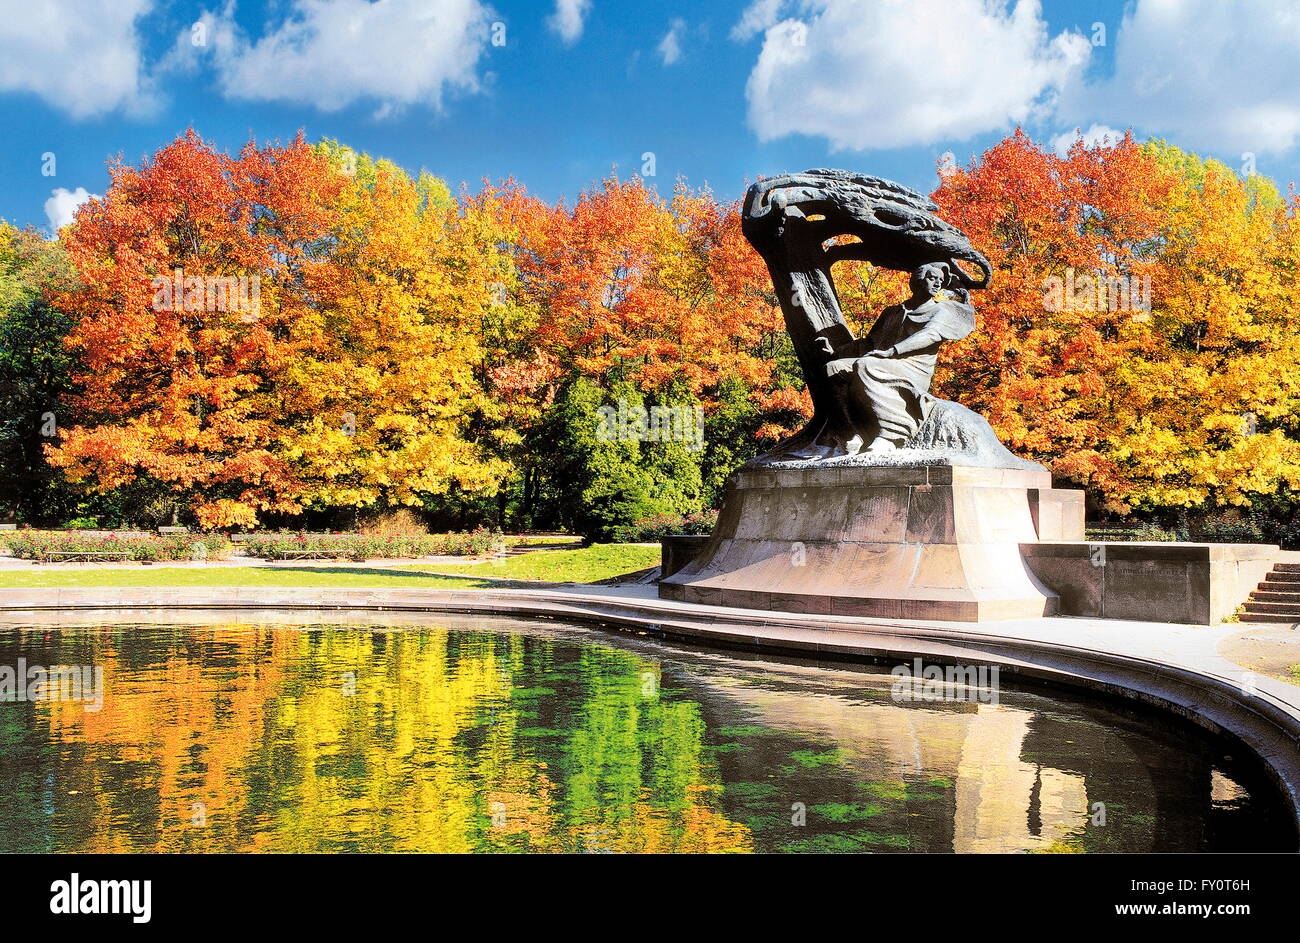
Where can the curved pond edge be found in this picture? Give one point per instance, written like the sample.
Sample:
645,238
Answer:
1171,668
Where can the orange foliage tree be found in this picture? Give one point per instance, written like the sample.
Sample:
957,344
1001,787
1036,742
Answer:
291,328
177,384
1137,319
630,284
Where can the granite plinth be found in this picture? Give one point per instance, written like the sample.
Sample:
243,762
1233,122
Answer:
925,541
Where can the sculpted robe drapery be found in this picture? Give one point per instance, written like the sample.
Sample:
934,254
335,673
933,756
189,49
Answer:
894,391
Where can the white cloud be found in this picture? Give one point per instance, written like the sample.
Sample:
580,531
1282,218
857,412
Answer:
63,204
332,53
904,72
81,56
1098,135
1206,74
670,47
758,16
568,19
210,32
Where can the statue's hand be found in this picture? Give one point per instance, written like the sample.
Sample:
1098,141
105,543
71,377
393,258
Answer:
837,367
880,353
824,345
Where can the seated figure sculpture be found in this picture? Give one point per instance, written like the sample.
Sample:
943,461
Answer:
870,397
882,383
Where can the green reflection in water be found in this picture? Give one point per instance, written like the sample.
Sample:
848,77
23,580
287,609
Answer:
517,737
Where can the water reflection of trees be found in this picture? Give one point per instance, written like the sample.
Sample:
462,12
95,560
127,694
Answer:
453,741
510,740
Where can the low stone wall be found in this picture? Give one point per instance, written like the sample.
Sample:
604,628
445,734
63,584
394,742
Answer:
1196,584
1189,583
1057,513
677,550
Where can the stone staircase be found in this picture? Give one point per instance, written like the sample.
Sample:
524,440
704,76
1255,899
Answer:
1278,598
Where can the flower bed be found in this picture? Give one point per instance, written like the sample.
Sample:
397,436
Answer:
368,546
36,544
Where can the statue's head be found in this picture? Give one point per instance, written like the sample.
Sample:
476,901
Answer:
929,279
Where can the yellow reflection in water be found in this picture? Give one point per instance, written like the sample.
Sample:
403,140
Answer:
246,738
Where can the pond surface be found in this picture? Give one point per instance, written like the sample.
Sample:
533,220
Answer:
475,734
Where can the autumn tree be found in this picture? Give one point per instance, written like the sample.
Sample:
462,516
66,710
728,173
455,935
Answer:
645,302
1205,404
177,372
291,328
385,402
1136,322
1036,368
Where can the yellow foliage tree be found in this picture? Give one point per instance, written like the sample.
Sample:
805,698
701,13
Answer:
1204,405
386,390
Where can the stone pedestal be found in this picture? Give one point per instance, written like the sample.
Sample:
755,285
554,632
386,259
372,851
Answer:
914,541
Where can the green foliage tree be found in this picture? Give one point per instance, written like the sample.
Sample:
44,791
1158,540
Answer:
34,374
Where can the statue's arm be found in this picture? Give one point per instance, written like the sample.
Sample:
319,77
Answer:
918,341
952,323
883,328
850,348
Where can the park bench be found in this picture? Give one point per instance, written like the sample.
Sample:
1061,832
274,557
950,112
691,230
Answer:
89,556
172,531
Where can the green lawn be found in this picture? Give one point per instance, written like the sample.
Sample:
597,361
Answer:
597,562
541,541
557,566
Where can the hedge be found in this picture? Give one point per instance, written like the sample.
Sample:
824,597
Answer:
32,545
367,546
650,529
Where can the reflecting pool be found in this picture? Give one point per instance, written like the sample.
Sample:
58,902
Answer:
463,733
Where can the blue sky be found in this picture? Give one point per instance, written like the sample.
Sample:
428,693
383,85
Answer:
556,92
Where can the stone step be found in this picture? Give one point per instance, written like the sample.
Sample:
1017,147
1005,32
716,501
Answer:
1269,617
1273,595
1277,586
1284,576
1280,608
1288,567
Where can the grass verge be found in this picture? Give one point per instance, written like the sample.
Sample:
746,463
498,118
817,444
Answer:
597,562
589,564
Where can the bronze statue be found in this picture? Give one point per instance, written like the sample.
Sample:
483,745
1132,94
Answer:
890,502
884,381
869,396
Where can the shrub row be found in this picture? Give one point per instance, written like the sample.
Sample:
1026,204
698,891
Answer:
33,544
371,546
1209,528
650,529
